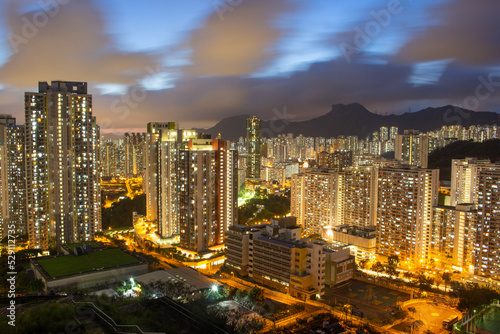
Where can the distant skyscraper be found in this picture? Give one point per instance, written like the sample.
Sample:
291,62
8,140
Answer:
208,193
393,131
134,153
62,164
352,143
384,133
404,215
412,148
12,176
253,148
464,180
488,228
338,160
112,157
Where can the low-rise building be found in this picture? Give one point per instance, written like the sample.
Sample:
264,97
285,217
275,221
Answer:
274,255
362,241
90,269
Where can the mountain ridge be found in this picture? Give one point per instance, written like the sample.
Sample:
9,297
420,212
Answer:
355,119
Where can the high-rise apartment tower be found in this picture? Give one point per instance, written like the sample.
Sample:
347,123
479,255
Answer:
62,164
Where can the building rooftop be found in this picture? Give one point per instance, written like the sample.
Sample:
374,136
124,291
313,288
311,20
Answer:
188,276
368,232
95,260
284,241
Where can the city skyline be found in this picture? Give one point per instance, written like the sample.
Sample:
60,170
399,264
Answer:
200,63
304,216
250,166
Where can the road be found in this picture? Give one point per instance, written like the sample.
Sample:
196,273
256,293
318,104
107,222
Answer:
271,294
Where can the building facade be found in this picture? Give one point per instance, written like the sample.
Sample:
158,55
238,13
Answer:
487,256
208,193
464,180
161,178
316,199
134,149
359,193
12,177
361,240
62,165
274,255
112,158
404,211
253,148
412,148
453,236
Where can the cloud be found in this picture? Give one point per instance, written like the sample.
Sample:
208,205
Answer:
236,39
382,87
68,43
224,54
467,32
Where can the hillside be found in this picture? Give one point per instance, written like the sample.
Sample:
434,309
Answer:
355,119
441,158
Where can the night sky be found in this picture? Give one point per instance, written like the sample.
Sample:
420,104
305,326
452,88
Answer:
198,61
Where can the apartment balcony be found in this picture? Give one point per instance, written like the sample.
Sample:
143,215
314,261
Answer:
300,273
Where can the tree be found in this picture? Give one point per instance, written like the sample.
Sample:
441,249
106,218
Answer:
377,267
240,294
52,317
391,271
446,276
314,236
475,297
441,158
363,263
120,243
346,308
438,280
399,313
424,282
152,260
408,274
416,324
256,294
393,261
273,206
120,213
